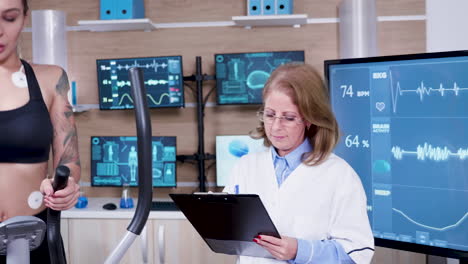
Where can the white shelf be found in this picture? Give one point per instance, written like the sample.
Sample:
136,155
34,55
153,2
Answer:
270,20
135,24
84,107
144,24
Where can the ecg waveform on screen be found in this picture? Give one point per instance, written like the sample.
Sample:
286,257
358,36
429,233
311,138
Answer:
153,64
149,83
149,97
427,151
422,90
445,228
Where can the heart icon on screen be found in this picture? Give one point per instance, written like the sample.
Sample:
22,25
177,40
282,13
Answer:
380,106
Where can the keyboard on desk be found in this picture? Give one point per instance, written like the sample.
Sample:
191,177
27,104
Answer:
163,206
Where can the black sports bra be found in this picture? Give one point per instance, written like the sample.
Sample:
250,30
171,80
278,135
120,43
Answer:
26,132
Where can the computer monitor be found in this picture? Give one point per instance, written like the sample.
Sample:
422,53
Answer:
404,123
240,77
229,149
163,79
114,161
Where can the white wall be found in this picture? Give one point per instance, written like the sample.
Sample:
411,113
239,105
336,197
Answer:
446,25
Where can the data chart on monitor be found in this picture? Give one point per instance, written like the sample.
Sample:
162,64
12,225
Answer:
162,76
404,126
240,77
114,161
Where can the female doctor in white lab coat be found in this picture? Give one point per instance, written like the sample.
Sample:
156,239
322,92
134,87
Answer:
315,199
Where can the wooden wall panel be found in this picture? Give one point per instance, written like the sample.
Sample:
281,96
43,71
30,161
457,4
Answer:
402,37
170,11
400,7
75,10
25,46
317,8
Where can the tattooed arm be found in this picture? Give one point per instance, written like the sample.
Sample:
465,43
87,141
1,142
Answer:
64,147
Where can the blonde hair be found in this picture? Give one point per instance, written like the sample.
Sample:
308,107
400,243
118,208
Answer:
309,93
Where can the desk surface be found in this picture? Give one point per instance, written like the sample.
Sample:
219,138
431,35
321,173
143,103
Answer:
94,210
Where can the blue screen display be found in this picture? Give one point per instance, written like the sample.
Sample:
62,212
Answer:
229,149
163,79
404,125
240,77
114,161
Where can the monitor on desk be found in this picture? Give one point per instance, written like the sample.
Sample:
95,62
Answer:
404,123
114,161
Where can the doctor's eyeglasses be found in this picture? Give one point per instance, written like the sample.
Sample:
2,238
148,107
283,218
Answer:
288,119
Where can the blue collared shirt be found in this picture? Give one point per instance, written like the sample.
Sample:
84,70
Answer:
314,251
287,164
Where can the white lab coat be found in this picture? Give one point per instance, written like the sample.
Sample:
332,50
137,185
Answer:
314,203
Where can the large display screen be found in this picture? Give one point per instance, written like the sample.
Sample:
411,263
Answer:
229,149
114,161
163,79
240,77
404,124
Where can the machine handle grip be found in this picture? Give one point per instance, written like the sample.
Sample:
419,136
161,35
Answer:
54,240
61,178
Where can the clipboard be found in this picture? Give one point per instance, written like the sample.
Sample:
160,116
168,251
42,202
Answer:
228,222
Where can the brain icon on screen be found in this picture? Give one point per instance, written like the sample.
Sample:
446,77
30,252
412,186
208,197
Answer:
257,79
238,148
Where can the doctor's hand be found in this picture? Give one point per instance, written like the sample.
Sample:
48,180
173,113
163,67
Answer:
282,249
62,199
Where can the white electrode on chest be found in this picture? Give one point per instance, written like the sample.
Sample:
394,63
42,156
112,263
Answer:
19,78
35,199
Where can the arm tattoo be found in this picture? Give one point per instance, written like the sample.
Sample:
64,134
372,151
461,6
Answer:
65,125
69,112
70,152
69,143
62,85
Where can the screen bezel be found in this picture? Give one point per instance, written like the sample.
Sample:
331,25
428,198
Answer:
407,246
182,105
241,53
91,176
416,56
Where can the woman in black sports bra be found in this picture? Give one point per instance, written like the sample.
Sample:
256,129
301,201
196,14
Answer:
35,115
